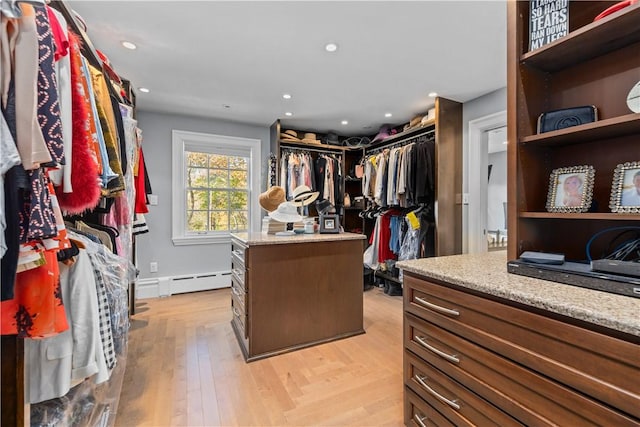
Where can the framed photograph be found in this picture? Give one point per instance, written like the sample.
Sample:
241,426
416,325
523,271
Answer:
571,189
625,189
329,224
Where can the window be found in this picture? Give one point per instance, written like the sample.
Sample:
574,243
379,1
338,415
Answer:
214,178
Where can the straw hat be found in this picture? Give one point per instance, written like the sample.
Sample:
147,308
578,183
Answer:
310,138
289,135
286,212
271,199
303,196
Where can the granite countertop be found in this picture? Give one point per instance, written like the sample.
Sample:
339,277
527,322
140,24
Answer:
271,239
488,273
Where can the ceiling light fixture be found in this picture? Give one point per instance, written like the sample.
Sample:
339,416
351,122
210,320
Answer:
129,45
433,94
286,96
388,114
344,122
331,47
143,89
289,114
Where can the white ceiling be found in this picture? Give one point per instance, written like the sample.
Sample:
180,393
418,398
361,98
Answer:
196,57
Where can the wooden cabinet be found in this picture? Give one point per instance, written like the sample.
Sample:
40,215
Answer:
597,63
473,359
293,292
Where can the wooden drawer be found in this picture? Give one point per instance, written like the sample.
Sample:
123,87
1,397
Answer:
529,397
599,365
239,294
239,313
237,260
418,413
238,279
458,404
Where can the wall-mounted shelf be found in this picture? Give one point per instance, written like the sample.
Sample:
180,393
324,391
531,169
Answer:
609,128
613,32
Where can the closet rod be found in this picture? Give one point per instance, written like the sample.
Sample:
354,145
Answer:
319,150
394,139
394,144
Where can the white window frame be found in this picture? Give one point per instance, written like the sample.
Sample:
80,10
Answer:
184,141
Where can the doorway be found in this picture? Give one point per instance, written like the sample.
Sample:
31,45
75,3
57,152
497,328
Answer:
480,235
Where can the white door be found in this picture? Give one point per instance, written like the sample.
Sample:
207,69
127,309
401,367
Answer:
478,179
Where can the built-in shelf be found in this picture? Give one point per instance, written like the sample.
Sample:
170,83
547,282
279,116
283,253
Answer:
581,216
605,35
426,127
628,124
306,145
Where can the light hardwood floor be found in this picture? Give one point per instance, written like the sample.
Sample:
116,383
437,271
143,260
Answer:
184,368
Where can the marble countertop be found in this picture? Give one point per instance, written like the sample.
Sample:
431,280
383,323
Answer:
271,239
488,273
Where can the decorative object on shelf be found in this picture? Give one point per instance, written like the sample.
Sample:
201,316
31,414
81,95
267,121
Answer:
548,21
625,189
289,136
286,212
303,196
414,123
571,189
329,223
383,133
566,117
271,199
310,138
633,99
616,7
331,138
347,200
357,142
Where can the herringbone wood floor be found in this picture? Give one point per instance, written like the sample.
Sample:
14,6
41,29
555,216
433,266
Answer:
185,368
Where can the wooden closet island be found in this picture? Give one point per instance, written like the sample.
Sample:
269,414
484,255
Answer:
295,291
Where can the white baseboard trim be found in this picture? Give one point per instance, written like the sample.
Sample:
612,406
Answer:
170,285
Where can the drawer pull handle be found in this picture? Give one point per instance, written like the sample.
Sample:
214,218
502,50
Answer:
235,291
435,394
420,421
423,342
236,312
437,308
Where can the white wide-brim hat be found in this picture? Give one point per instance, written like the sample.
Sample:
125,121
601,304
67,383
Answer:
303,196
286,212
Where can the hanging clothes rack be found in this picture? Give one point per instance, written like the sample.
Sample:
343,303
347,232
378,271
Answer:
302,150
398,143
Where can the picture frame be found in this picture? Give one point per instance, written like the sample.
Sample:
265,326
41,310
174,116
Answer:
625,188
571,189
329,223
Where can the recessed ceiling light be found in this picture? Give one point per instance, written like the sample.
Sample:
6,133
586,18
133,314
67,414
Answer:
143,89
344,122
388,114
288,114
286,96
331,47
129,45
433,94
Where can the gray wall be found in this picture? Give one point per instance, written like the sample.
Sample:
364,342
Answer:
485,105
157,245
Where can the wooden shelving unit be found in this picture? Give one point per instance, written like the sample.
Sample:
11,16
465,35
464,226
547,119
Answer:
597,63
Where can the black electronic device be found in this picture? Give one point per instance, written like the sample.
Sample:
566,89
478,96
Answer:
624,268
578,274
542,258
